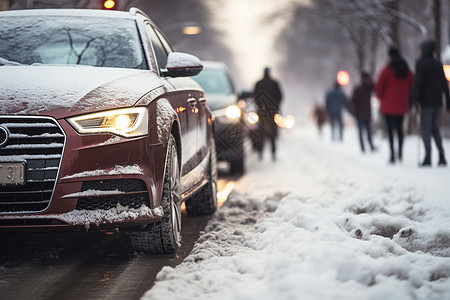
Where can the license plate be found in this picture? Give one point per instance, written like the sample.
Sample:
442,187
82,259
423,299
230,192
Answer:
12,173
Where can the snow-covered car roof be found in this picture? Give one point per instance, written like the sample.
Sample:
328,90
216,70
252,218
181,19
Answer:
73,12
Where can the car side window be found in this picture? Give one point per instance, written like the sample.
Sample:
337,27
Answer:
164,42
158,48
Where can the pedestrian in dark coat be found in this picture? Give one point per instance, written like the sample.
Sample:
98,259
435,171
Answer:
429,85
268,96
335,103
362,110
393,90
319,115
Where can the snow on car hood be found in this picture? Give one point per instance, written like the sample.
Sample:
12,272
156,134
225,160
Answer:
61,91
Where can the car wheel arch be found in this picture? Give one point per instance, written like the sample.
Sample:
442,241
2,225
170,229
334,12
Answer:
176,132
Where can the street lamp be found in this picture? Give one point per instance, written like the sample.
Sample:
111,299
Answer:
191,29
187,28
109,4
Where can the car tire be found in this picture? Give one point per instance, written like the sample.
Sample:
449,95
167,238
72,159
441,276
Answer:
204,202
164,236
237,162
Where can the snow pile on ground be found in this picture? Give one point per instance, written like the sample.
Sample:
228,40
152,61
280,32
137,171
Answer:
323,222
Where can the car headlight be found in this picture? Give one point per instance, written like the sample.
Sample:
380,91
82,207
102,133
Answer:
252,117
278,119
126,122
233,112
289,122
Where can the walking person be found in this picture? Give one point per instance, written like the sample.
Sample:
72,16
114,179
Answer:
335,103
429,85
319,115
361,109
268,98
393,89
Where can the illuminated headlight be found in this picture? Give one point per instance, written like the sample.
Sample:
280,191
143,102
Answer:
126,122
289,122
252,118
233,112
278,119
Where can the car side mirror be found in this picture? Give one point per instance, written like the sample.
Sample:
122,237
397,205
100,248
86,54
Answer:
182,65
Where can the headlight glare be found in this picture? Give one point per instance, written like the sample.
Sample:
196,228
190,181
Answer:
252,117
289,122
233,112
278,119
126,122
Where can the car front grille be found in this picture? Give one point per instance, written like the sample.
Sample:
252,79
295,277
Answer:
108,202
39,142
134,191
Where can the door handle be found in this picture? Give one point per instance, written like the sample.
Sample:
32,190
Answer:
202,100
192,102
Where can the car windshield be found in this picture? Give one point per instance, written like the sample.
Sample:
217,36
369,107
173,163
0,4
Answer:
214,81
63,40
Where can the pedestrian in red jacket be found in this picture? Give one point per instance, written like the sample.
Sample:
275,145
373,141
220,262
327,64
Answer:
393,89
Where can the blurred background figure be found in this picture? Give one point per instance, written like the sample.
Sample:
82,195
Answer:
429,84
393,89
268,96
319,115
335,103
361,108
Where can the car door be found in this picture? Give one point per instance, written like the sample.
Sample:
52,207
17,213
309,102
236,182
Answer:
184,102
203,145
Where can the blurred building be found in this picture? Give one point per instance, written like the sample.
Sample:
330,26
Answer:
27,4
4,4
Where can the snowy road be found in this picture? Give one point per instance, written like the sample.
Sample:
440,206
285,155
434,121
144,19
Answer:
324,222
83,266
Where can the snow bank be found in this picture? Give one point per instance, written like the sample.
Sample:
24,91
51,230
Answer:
314,248
333,224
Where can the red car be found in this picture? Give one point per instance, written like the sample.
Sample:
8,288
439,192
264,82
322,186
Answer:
101,127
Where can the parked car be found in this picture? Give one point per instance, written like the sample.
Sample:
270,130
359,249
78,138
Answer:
228,111
100,127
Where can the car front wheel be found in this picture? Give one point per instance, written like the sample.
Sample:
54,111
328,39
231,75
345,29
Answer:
165,235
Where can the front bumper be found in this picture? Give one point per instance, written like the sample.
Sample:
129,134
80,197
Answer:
101,180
